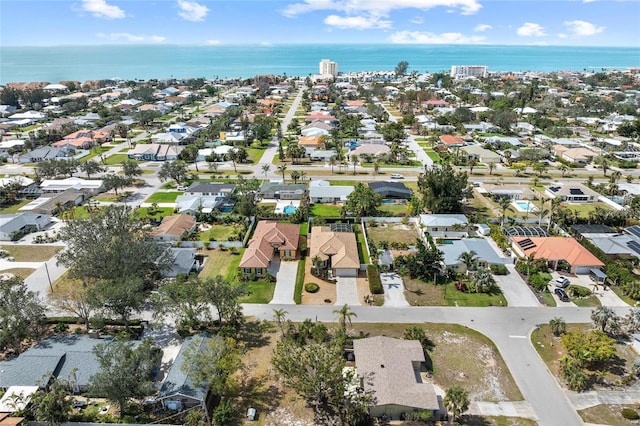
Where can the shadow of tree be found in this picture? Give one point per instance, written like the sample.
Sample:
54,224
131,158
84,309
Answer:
255,334
473,420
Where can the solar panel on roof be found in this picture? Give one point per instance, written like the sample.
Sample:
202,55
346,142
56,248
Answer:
576,191
634,230
634,246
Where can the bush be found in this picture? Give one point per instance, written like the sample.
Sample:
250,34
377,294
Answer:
61,327
373,275
499,269
630,414
578,291
311,287
225,413
539,280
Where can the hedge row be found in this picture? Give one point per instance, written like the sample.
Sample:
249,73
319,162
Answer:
373,275
76,320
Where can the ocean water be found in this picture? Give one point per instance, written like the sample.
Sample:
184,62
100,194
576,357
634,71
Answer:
82,63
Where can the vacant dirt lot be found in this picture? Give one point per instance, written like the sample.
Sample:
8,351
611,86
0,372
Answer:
393,232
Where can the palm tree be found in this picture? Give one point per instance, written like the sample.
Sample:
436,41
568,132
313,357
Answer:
615,176
265,169
483,281
563,169
604,317
507,155
280,315
632,320
492,166
456,400
295,175
558,326
302,175
282,168
504,205
354,161
376,167
471,163
469,259
332,163
344,315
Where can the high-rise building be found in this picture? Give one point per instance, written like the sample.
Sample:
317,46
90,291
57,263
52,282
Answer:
328,67
463,71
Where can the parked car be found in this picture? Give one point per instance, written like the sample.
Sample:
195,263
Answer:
181,188
562,282
396,176
562,295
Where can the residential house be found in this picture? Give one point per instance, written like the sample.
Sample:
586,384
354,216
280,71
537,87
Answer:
336,249
481,127
43,154
317,128
281,191
372,149
55,203
449,142
395,190
155,152
484,253
14,226
270,239
481,154
311,142
68,357
209,188
391,370
11,146
572,193
579,155
509,191
185,261
174,227
450,226
321,191
322,155
192,204
54,186
179,390
560,252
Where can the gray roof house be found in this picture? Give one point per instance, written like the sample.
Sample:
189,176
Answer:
209,188
485,254
12,225
391,190
184,261
281,191
178,391
64,356
445,225
321,191
391,370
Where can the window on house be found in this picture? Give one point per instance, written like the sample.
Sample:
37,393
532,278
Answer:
258,271
247,270
287,253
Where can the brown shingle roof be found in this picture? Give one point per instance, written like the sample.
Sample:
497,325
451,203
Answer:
268,234
341,246
387,366
175,225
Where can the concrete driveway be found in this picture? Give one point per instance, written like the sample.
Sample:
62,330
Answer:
393,290
347,291
515,290
285,273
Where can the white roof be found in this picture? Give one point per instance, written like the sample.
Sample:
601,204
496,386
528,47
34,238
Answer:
8,404
70,183
341,192
443,219
23,180
11,143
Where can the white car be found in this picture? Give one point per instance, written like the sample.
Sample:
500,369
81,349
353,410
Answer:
562,282
181,188
396,176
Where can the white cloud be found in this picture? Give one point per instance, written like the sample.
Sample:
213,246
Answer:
583,28
562,35
588,1
266,44
192,11
482,27
417,20
214,42
378,8
530,29
417,37
132,38
101,9
356,22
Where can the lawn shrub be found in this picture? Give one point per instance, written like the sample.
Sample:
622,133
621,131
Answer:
375,284
499,269
539,280
578,291
630,414
311,287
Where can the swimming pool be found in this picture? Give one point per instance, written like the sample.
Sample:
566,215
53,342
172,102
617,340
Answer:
524,206
388,201
289,209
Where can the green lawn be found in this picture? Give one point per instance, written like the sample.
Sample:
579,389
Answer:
95,152
590,301
549,299
163,197
258,292
325,210
393,209
297,292
219,233
454,297
583,210
32,253
14,207
156,214
433,155
255,154
362,245
116,159
304,229
618,291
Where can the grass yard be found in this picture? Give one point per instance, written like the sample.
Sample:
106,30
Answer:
618,291
155,214
583,210
325,210
163,197
14,207
220,232
258,292
95,152
219,262
19,272
419,293
255,154
393,232
454,297
32,253
607,415
433,155
588,301
116,159
394,209
362,245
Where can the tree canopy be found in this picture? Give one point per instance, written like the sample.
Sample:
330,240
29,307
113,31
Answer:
21,313
363,201
112,245
443,189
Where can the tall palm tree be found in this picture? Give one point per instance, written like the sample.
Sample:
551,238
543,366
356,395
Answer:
332,163
558,326
632,320
471,163
456,400
344,314
280,316
354,161
469,259
492,166
265,169
376,168
483,281
302,175
504,205
563,169
604,317
615,176
282,168
295,175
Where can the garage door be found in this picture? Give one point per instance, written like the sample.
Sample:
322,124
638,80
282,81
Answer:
346,272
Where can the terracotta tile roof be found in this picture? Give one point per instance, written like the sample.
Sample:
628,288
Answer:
175,225
341,246
451,140
559,248
78,142
268,234
310,141
354,103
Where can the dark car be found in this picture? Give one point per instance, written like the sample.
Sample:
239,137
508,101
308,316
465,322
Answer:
562,295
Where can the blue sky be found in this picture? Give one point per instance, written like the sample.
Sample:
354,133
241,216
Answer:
227,22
